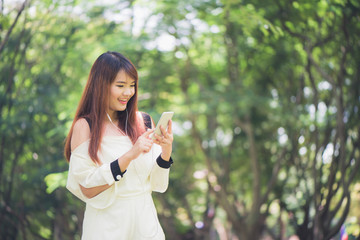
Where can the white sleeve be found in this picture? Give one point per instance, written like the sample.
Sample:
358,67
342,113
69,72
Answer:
159,177
82,170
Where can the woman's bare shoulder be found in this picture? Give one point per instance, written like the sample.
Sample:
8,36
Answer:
81,133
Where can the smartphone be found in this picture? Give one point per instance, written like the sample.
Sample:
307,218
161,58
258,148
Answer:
164,121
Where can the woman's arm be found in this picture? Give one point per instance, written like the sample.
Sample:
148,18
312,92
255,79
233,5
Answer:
123,162
81,134
94,191
159,177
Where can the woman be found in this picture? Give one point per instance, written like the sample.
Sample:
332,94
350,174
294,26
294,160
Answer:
113,163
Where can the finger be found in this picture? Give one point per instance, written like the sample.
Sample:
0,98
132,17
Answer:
170,127
160,141
157,137
148,132
169,130
163,132
149,143
147,148
168,140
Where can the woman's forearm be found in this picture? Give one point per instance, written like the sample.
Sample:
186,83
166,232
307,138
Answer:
93,191
123,162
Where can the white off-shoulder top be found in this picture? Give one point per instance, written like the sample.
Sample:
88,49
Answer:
120,211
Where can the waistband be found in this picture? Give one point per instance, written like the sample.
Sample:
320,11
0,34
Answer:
133,195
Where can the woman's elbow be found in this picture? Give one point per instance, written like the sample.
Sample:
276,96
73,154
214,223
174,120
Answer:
161,190
160,187
88,192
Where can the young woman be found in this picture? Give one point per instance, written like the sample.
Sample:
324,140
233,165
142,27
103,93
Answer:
114,165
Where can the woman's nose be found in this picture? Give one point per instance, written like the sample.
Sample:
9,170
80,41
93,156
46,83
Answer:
128,91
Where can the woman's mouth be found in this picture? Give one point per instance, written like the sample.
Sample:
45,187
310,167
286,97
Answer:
123,101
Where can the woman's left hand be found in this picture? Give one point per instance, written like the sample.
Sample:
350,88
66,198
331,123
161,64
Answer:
165,141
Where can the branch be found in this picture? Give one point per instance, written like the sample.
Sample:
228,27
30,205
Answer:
2,44
208,216
331,181
324,74
356,167
317,181
324,40
221,195
187,208
222,198
274,176
336,209
294,34
334,230
247,127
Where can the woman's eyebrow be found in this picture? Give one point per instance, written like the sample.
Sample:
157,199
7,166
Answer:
124,82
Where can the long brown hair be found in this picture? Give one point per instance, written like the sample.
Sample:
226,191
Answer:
95,99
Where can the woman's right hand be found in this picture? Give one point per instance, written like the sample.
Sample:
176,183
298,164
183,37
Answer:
143,144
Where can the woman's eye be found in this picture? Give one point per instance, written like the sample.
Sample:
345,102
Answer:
120,85
132,85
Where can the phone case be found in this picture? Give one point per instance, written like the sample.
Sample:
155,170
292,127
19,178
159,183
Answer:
164,121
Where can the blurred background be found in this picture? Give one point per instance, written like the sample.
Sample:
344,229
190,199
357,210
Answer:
266,96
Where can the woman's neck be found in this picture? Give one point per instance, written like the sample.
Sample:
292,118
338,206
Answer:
112,115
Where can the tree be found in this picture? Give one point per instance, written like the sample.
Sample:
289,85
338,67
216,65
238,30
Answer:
274,103
36,61
266,106
330,86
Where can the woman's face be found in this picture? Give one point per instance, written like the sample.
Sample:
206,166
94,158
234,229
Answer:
121,90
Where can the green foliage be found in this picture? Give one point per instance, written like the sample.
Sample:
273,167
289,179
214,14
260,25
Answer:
55,180
261,90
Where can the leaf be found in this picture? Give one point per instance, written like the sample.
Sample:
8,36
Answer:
55,180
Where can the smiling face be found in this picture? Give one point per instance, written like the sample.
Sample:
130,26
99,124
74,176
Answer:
121,91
